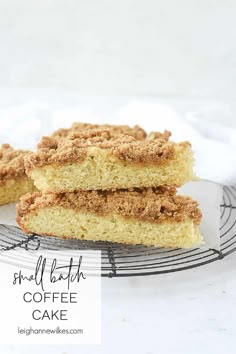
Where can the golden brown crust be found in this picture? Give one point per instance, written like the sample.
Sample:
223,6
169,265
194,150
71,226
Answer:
75,146
137,132
153,152
148,204
11,163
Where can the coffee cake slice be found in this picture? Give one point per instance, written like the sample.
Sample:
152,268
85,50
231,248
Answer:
102,159
149,216
13,180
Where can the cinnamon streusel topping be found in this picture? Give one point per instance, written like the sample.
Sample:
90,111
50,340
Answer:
11,163
74,148
150,204
137,132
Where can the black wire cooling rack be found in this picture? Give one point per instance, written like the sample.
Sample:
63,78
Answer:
125,260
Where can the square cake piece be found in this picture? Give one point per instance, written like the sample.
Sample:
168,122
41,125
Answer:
94,159
13,180
149,216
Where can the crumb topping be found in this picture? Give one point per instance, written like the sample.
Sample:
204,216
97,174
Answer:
137,132
11,163
75,146
157,135
150,204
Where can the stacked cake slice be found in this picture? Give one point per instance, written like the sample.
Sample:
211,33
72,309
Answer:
13,180
111,183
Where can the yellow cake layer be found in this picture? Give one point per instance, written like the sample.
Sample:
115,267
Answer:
72,223
101,170
12,189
